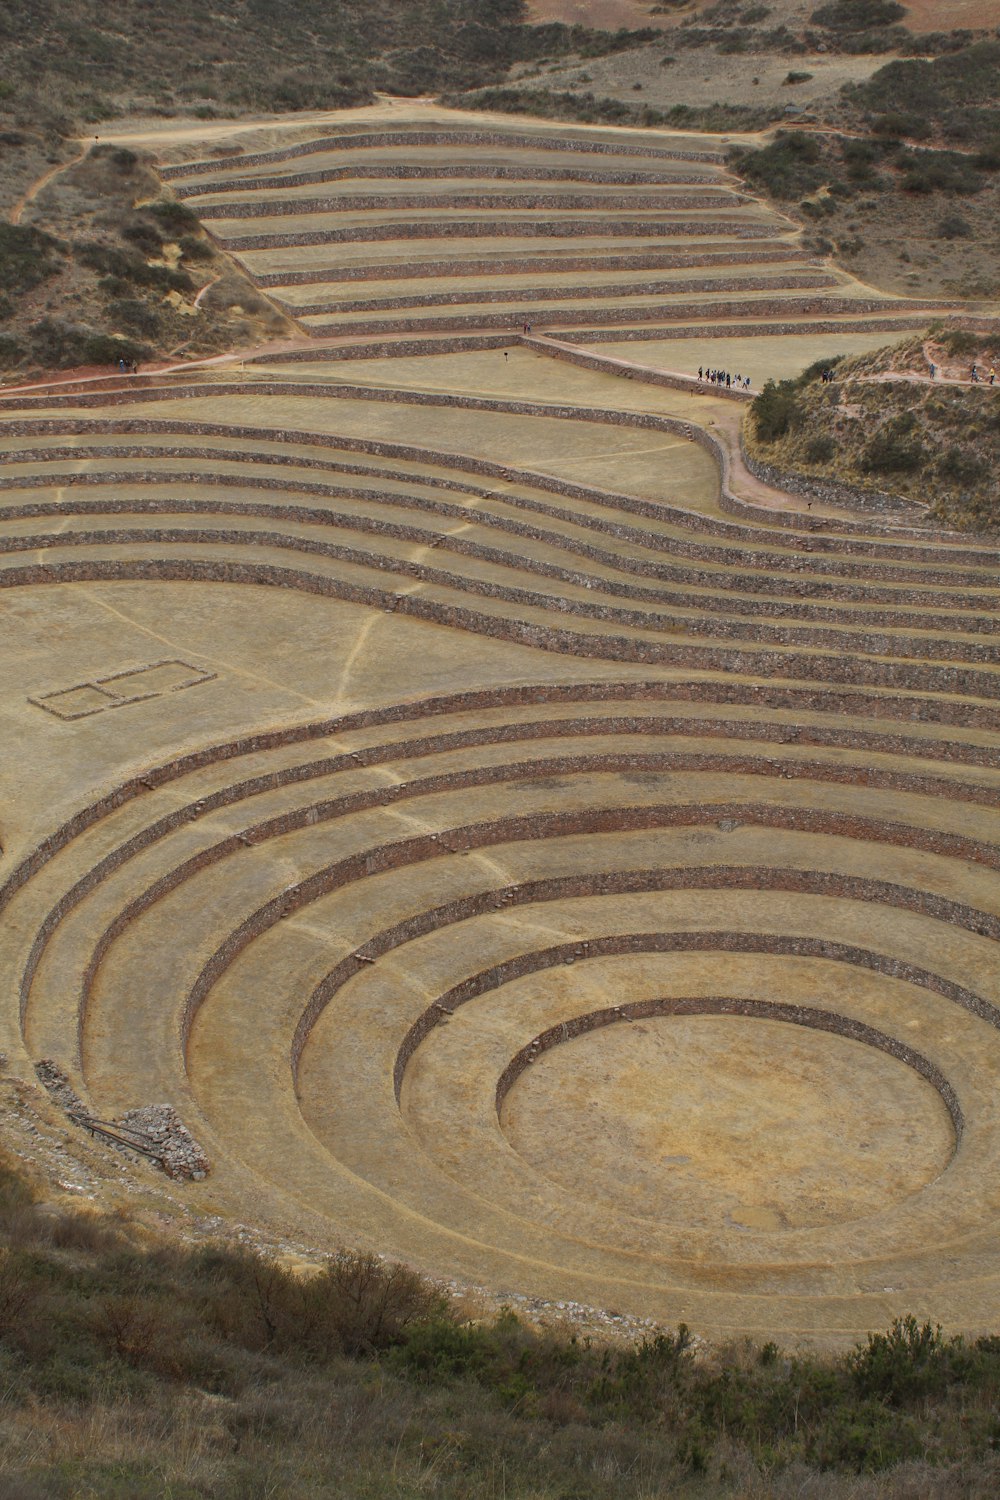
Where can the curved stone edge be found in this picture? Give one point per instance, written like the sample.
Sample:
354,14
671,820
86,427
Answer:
665,201
801,700
922,611
869,670
851,546
711,1005
831,491
698,941
659,313
424,172
437,229
853,642
802,281
444,136
528,265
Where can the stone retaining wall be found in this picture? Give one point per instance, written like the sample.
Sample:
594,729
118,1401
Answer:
844,706
672,942
407,852
748,601
527,264
659,313
830,491
527,202
719,626
713,330
824,883
374,139
488,171
417,849
606,365
875,561
868,670
804,281
474,229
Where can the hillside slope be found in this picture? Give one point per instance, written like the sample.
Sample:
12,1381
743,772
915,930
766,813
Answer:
906,419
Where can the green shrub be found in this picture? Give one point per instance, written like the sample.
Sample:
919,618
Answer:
144,236
172,214
195,249
963,467
891,451
58,346
12,351
118,156
912,1360
371,1302
813,372
789,167
776,411
820,450
858,15
27,257
135,317
939,172
960,341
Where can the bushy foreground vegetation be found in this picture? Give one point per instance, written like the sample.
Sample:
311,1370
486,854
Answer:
872,426
135,1368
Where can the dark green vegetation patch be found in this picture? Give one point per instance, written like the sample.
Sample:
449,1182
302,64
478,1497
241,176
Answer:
217,1371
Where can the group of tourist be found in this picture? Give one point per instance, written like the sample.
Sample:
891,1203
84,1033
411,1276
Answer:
980,375
724,378
128,367
826,376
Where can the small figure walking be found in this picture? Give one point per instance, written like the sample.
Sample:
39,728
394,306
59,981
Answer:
505,356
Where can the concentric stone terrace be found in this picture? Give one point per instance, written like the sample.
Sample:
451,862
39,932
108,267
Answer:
502,845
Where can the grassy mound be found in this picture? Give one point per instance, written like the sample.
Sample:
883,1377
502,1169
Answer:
884,423
137,1367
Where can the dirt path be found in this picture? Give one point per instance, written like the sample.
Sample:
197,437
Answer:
160,134
36,187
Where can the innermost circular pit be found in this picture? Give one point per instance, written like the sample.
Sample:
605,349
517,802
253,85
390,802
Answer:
708,1120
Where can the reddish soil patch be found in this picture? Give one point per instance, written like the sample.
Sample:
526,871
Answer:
945,15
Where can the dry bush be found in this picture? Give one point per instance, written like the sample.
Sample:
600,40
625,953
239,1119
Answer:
369,1303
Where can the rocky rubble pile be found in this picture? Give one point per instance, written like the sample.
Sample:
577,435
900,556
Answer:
154,1131
57,1085
162,1131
